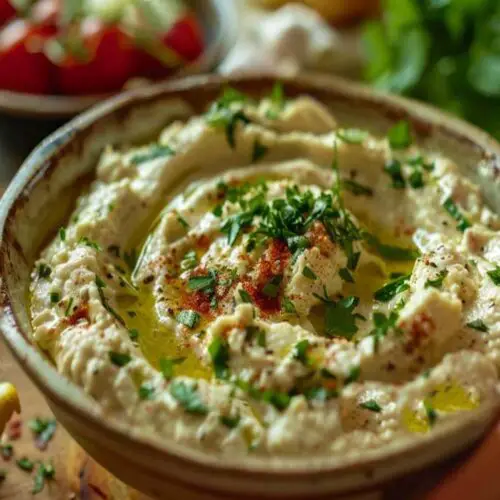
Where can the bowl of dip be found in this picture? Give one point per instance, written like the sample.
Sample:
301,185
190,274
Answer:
258,286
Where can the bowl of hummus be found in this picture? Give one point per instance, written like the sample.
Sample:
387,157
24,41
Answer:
259,286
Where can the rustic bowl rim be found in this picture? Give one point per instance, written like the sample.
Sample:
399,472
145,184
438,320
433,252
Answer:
425,120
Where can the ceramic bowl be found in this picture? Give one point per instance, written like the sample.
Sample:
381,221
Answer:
39,198
219,21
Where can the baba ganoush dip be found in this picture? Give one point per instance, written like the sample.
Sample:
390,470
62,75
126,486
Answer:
260,280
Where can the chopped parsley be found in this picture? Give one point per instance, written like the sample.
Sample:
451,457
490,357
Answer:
345,274
382,325
43,473
356,188
104,301
231,422
395,171
67,312
62,233
399,135
89,243
133,333
277,101
272,287
183,222
309,273
205,283
352,135
340,320
25,464
44,271
393,288
221,115
430,412
479,325
245,296
189,261
55,297
146,392
119,359
188,318
167,366
219,352
6,451
156,151
390,252
451,207
288,306
494,275
437,282
300,351
353,375
371,405
188,396
259,150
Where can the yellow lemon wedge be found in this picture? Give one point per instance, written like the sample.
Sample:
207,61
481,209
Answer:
9,403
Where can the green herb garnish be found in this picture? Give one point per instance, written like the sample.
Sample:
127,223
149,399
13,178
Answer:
231,422
288,306
352,135
189,398
479,325
494,275
309,273
55,297
353,375
156,151
25,464
438,281
259,150
272,287
345,274
219,352
245,296
399,135
371,405
300,351
119,359
393,288
451,207
189,261
146,392
62,233
188,318
167,366
43,473
44,271
395,171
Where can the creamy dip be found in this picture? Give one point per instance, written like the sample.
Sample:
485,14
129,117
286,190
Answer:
260,280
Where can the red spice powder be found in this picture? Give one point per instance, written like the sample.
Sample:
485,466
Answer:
81,313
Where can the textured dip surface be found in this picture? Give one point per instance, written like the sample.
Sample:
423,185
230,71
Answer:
259,280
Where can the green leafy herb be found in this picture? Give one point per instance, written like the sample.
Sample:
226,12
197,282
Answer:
390,252
189,261
146,392
371,405
400,135
300,351
394,169
104,301
92,244
25,464
352,135
393,288
340,320
430,412
119,359
222,116
55,297
438,281
6,451
183,222
346,275
356,188
217,210
44,271
187,395
44,472
479,325
205,283
309,273
272,287
231,422
167,366
44,430
188,318
245,296
494,275
67,312
277,103
133,333
288,306
353,375
62,233
261,338
320,394
155,152
219,352
451,207
259,150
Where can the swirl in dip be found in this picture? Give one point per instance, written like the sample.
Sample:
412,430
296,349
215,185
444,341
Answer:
260,280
